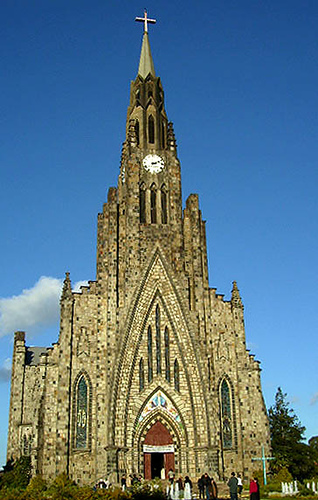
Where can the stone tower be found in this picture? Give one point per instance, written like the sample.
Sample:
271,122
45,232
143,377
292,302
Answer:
150,371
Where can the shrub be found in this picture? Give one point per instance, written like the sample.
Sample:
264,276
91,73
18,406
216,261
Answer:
36,489
62,488
16,474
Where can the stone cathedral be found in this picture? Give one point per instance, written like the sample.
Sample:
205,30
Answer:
150,371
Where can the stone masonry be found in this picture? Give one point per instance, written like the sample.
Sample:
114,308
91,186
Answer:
148,341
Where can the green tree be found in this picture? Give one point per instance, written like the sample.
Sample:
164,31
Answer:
16,474
313,443
287,436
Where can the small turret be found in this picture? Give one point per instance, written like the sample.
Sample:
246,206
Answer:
67,287
236,300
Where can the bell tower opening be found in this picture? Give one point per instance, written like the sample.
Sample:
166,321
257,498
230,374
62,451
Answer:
158,452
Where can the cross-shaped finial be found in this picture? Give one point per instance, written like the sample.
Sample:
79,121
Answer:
145,20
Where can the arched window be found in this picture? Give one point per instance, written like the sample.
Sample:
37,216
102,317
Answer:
142,203
141,375
158,340
153,203
226,415
176,376
137,131
164,217
81,414
151,130
163,135
167,354
149,354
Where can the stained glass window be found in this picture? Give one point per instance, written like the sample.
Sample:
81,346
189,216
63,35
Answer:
167,354
226,415
176,375
158,340
81,423
149,354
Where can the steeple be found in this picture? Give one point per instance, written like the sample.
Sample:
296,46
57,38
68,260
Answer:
147,122
146,65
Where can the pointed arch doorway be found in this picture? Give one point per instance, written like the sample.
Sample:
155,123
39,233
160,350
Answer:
158,451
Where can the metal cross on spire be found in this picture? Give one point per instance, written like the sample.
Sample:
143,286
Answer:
145,20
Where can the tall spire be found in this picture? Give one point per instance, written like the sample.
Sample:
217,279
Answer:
146,65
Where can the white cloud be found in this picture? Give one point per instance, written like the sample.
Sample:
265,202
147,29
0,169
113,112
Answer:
314,399
5,370
35,308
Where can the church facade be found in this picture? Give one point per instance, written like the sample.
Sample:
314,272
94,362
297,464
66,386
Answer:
150,371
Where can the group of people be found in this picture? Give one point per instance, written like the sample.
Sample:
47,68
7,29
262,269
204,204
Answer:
235,485
133,480
179,488
207,487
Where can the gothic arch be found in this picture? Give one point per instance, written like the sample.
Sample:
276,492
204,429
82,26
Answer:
157,284
177,430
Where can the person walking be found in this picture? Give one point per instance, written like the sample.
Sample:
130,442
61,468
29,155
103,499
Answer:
232,484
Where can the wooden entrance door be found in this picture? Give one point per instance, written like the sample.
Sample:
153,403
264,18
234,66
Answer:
158,436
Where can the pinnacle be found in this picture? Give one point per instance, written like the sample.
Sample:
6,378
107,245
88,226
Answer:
67,288
236,298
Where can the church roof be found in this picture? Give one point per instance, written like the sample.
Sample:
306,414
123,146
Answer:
146,65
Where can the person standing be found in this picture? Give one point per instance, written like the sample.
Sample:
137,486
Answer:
171,476
201,487
239,484
123,482
206,485
187,488
213,489
232,484
180,484
254,489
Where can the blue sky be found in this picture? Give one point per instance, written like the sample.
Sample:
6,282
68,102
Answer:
240,81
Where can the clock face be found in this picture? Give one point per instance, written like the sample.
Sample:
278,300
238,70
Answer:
153,164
